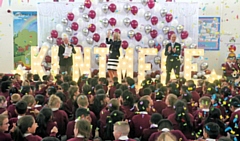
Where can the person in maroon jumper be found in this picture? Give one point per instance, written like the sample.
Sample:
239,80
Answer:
118,95
211,131
155,119
59,116
81,113
3,104
50,139
25,128
166,126
5,87
73,92
170,100
59,79
104,82
82,131
30,100
65,86
4,128
121,130
128,107
199,88
186,96
40,101
46,126
100,102
149,99
136,124
192,89
159,104
113,88
182,120
11,108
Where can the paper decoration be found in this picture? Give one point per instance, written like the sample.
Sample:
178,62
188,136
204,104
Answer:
1,2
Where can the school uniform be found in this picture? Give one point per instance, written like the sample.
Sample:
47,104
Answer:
199,90
124,138
78,138
5,137
137,125
61,118
167,111
93,122
30,111
195,96
111,92
68,108
38,107
103,117
159,105
140,93
149,131
133,91
80,85
2,110
70,128
13,121
234,120
30,137
199,116
5,94
11,110
128,111
190,108
18,84
50,126
178,134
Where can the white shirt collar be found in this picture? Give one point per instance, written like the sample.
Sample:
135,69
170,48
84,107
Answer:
143,113
26,134
165,130
158,100
123,138
238,109
80,136
37,106
19,117
29,107
208,139
54,109
205,110
153,126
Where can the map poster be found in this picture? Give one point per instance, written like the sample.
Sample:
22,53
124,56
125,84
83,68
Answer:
209,33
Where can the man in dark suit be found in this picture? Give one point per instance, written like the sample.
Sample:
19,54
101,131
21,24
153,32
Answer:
65,61
172,51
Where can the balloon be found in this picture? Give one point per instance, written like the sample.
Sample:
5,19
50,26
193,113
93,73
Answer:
54,34
195,76
59,41
145,39
193,46
126,22
105,8
174,23
158,47
159,38
170,33
157,60
74,40
137,47
59,27
92,28
102,45
138,36
147,28
153,33
81,7
188,41
64,21
74,26
85,17
85,31
180,28
70,16
48,59
92,14
160,25
144,2
166,29
169,17
50,39
112,7
127,8
117,30
87,3
204,66
124,44
232,48
154,20
165,42
89,40
134,24
163,12
105,22
112,21
134,10
141,12
75,12
184,34
69,31
147,15
151,43
151,4
96,37
131,34
99,11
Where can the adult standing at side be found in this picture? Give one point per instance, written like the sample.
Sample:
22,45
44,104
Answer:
65,56
172,51
114,53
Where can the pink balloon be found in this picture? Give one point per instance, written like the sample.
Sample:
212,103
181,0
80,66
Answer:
169,17
87,3
103,45
134,10
74,40
70,16
80,47
112,7
138,36
134,24
124,44
184,34
170,33
54,34
74,26
92,28
117,30
112,21
92,14
158,47
151,4
154,20
96,37
59,41
154,33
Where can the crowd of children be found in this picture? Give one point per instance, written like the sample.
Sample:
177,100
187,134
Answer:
61,109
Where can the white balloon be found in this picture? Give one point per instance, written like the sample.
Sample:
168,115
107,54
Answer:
64,35
131,45
203,73
199,74
84,44
80,22
99,12
157,76
174,23
141,12
99,26
188,41
195,76
119,22
75,11
124,33
94,2
160,25
157,9
46,44
79,36
160,38
59,27
119,8
49,52
145,39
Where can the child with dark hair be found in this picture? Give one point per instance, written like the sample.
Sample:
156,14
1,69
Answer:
100,91
100,101
21,110
234,119
117,94
128,107
186,96
50,139
104,82
147,91
26,90
132,88
82,131
155,119
87,89
62,96
65,86
4,128
149,99
182,120
145,84
12,108
124,87
113,88
59,79
40,101
217,102
159,104
3,104
36,78
192,89
5,87
226,96
93,83
17,82
174,89
170,101
67,78
121,131
98,87
211,131
25,128
199,88
46,126
73,92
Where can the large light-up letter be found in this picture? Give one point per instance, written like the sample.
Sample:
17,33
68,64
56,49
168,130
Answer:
102,60
55,60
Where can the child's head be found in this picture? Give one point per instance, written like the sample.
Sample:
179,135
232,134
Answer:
59,77
73,92
21,107
211,89
147,91
171,99
165,123
40,99
121,128
3,123
234,104
36,77
67,78
166,136
143,105
65,86
214,113
226,91
86,89
118,93
124,87
113,105
155,118
29,76
26,90
13,90
100,91
128,99
83,128
54,102
130,82
211,130
187,97
5,86
164,89
204,102
83,113
15,98
148,98
61,95
50,139
30,100
160,95
82,101
184,89
98,87
51,90
191,85
3,102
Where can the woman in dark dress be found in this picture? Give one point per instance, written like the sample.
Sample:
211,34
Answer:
114,53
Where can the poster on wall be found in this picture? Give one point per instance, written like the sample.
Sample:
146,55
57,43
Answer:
209,33
25,36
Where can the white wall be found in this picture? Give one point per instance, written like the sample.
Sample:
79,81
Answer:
227,10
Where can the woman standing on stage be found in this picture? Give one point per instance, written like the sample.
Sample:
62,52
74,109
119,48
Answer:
114,53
